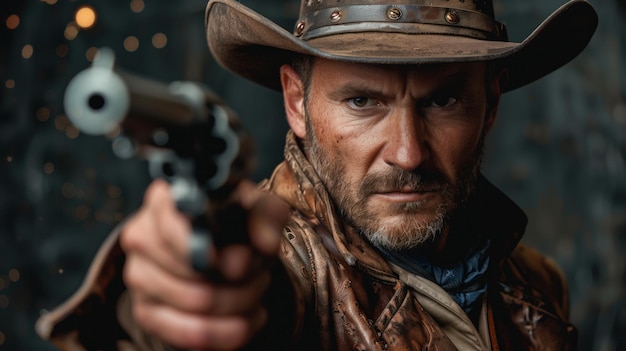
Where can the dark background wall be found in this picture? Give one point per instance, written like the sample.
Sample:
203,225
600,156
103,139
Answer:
558,149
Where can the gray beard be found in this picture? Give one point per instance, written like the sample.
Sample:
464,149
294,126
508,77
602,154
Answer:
413,233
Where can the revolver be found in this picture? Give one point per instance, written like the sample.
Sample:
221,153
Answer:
184,131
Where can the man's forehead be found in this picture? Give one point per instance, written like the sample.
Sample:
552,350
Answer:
339,80
366,70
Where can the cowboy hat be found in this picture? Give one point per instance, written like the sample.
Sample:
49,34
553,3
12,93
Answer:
394,32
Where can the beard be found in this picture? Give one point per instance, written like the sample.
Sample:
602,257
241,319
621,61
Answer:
411,230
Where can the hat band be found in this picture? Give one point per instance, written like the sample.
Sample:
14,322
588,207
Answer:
359,18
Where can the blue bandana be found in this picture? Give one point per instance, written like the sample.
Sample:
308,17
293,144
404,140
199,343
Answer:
465,281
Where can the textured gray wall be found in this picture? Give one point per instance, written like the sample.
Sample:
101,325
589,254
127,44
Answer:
557,149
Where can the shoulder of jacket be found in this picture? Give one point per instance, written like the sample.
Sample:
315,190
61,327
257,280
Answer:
528,270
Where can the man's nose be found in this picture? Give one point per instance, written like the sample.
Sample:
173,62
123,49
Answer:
407,140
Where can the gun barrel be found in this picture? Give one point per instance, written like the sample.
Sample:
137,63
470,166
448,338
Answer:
168,124
99,98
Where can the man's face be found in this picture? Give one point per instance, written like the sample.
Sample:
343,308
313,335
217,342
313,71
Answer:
398,148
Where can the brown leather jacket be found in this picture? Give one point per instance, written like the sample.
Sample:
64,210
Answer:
333,291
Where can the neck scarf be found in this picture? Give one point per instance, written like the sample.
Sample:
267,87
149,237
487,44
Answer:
465,281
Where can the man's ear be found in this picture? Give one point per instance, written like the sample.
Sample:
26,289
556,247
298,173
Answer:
293,96
494,92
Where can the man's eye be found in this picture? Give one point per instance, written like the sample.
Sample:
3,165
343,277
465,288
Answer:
361,102
443,101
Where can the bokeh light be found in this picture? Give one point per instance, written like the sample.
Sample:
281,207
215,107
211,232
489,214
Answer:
14,275
72,132
27,51
62,50
48,167
90,54
13,21
131,44
85,17
71,31
159,40
43,114
61,122
137,5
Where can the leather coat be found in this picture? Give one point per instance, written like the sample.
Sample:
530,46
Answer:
333,291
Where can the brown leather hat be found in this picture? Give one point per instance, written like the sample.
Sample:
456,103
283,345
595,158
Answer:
394,32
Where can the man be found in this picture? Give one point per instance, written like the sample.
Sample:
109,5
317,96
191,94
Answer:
392,239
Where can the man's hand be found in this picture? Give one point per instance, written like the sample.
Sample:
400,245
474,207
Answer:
183,307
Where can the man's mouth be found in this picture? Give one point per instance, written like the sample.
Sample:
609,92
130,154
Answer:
421,188
407,195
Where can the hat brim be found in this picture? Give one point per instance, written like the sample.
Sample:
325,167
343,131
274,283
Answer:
254,47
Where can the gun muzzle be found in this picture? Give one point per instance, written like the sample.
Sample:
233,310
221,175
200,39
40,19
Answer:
99,98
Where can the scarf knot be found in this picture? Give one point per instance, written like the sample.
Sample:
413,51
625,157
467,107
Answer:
465,281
